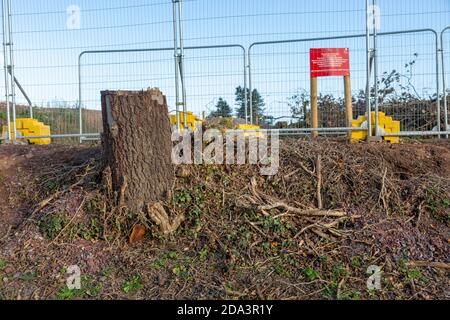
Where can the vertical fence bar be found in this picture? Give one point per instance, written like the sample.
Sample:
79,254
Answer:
250,83
6,66
11,61
80,115
368,106
438,89
444,84
375,67
245,88
181,62
175,40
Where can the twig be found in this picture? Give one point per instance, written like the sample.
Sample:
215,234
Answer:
312,212
382,192
255,227
339,289
70,222
44,203
323,235
319,181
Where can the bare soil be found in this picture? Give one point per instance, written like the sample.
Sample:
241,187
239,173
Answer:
245,236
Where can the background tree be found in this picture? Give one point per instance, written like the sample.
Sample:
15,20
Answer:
299,104
222,110
257,104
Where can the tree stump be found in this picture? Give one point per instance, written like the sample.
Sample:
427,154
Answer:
137,147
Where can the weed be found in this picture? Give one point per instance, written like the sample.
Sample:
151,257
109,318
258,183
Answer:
203,255
159,264
51,225
27,276
92,231
410,274
88,290
180,271
339,272
311,274
351,295
107,272
2,265
280,270
356,262
413,274
67,294
132,285
172,255
330,291
274,225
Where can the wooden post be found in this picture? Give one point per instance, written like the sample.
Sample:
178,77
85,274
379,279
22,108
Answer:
314,111
348,103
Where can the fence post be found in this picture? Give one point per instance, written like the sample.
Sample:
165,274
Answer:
245,88
5,60
375,67
348,104
368,53
250,83
438,89
314,111
11,70
443,81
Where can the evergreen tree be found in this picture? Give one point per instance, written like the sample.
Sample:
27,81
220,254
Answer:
222,110
257,102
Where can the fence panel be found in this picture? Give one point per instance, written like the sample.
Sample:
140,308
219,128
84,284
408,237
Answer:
212,73
49,35
408,82
280,72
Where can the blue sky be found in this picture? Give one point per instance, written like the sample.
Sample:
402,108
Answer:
46,51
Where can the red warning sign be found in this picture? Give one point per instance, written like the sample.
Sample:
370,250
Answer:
327,62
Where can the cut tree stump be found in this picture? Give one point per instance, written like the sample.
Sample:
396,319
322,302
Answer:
137,147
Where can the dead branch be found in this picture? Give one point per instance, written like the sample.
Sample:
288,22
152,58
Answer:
311,212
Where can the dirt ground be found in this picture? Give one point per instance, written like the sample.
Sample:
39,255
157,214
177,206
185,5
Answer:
245,236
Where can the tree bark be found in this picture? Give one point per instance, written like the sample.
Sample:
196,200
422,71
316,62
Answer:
137,147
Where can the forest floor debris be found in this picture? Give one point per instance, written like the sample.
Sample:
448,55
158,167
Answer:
306,233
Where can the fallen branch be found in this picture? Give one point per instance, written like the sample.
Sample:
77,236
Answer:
311,212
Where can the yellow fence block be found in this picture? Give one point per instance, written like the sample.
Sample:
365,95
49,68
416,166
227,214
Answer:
30,127
384,122
192,121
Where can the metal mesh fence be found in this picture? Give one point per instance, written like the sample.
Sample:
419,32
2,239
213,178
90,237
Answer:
408,81
280,72
49,35
212,74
